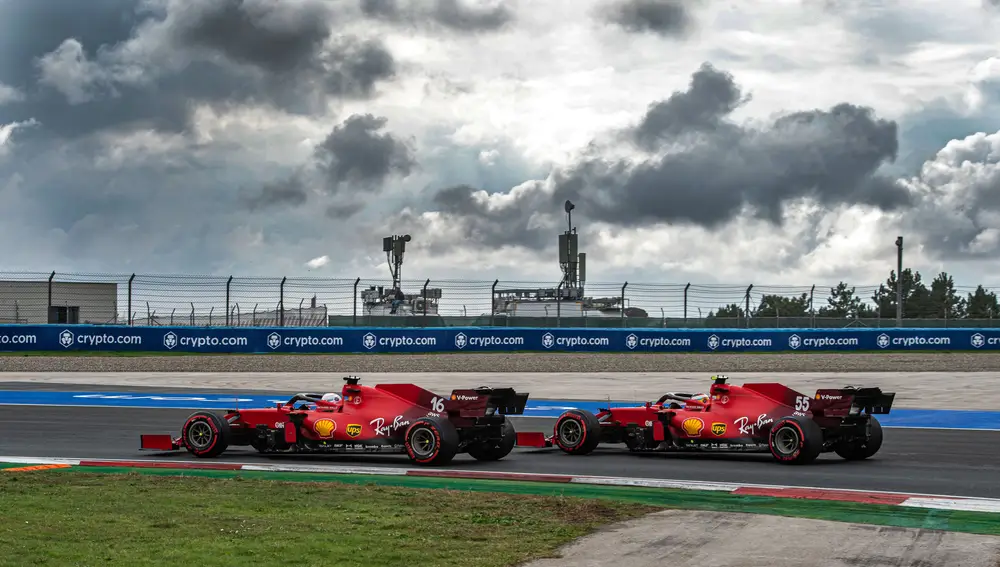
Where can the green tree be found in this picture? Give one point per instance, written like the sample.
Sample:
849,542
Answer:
915,295
844,302
782,306
943,301
731,311
982,304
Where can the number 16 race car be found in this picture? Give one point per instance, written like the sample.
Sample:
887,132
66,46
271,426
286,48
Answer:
431,429
767,417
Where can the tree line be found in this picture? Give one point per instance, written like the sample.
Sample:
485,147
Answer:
938,301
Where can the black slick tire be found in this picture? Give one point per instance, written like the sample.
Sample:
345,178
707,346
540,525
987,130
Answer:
495,449
795,440
431,441
206,435
859,449
577,432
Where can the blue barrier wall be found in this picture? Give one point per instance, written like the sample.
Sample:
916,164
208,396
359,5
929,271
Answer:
15,338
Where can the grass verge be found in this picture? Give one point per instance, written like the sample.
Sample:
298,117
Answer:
54,518
886,515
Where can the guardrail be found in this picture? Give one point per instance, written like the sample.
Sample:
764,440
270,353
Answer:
35,338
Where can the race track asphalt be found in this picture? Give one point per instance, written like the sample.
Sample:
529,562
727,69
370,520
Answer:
961,463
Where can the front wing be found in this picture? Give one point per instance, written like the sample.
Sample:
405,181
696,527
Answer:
164,442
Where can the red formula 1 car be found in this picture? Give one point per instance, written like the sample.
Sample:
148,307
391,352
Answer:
768,417
430,428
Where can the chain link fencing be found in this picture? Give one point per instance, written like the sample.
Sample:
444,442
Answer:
235,301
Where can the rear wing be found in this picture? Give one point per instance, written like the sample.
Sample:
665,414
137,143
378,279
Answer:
872,401
488,401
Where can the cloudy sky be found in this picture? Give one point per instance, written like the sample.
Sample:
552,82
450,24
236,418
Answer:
773,141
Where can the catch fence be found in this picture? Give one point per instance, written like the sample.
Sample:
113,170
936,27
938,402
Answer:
234,301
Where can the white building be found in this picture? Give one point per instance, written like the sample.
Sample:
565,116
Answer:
28,302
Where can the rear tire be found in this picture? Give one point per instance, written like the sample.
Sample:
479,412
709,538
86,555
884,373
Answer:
431,441
495,449
577,432
795,440
859,449
206,435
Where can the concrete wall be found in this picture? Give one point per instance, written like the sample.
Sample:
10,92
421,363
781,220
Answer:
27,301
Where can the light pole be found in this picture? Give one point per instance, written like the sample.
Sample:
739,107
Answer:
899,281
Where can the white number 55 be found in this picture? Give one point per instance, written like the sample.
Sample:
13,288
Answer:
801,403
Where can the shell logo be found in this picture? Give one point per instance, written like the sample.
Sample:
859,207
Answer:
692,426
325,427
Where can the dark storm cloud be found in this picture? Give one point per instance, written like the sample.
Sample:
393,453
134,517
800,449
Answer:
228,51
452,15
355,156
344,211
34,28
447,13
708,169
664,17
288,43
277,39
830,155
710,97
286,192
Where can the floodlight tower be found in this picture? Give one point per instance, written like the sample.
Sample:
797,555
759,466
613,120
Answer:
572,263
394,246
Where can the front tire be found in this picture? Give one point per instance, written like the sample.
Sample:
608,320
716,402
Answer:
859,449
577,432
431,441
495,449
795,440
206,435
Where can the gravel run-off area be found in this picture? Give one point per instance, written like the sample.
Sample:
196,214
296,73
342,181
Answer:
515,362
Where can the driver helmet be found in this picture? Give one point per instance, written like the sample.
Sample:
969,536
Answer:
703,398
333,398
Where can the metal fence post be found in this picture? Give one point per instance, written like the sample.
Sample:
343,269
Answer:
493,300
812,306
686,302
128,314
559,305
424,293
49,308
746,313
228,282
281,302
356,282
623,303
899,281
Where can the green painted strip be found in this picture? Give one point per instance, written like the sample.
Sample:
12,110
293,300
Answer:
877,514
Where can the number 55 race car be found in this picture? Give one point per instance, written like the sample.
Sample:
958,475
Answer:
767,417
431,429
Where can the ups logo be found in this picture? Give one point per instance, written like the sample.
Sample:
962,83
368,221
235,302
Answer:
353,430
719,428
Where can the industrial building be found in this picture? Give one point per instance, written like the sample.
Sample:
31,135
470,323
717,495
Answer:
40,302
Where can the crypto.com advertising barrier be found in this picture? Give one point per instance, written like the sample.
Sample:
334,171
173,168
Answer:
20,338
